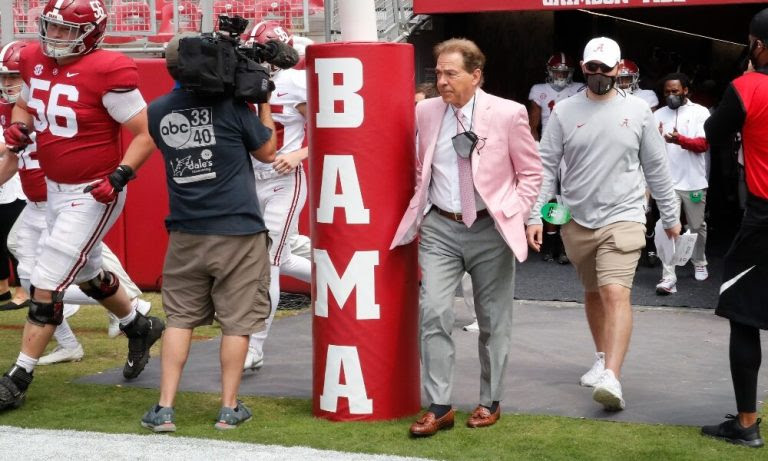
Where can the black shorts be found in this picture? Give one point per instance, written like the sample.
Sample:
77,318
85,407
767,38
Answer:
744,292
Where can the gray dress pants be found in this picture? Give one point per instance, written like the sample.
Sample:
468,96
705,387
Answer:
446,250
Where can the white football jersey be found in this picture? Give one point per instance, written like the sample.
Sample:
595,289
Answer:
649,96
544,96
290,91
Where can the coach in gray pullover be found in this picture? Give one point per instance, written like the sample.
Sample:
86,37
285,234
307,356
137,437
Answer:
609,141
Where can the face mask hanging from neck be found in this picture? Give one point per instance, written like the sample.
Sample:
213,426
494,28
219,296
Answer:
464,143
600,84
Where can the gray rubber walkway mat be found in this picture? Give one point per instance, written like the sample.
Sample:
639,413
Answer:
676,371
549,281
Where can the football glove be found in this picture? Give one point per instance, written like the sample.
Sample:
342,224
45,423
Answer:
17,136
105,189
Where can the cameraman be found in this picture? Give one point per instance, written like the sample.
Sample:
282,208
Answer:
217,259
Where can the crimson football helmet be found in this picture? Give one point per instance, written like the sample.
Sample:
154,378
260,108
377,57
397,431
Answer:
560,71
629,75
9,67
265,31
72,27
268,30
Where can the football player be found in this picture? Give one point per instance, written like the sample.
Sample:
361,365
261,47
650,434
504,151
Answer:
558,86
543,97
30,228
282,186
77,98
12,202
629,81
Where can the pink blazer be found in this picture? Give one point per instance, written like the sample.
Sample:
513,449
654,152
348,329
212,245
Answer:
506,171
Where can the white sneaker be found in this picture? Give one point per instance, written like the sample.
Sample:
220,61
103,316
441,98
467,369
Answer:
700,273
590,378
70,310
60,354
471,327
666,287
608,392
253,359
113,331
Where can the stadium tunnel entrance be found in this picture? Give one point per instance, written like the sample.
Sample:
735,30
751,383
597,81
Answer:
705,42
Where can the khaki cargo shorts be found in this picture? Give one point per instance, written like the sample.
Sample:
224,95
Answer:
604,256
223,274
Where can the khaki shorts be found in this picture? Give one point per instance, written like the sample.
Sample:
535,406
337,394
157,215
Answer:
225,274
604,256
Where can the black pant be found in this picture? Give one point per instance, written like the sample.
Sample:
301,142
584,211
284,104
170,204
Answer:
746,355
8,214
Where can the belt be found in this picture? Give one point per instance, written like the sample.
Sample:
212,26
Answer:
457,216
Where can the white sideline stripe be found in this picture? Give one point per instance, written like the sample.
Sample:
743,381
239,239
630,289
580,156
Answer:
731,282
33,444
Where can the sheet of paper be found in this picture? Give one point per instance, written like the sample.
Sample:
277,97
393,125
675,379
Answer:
674,252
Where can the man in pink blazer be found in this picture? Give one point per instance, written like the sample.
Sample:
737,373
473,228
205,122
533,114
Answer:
478,174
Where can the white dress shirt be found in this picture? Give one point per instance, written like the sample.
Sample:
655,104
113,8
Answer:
444,187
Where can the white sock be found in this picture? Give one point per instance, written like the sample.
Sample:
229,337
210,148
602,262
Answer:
128,318
26,362
65,336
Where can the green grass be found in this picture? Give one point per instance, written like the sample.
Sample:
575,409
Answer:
55,402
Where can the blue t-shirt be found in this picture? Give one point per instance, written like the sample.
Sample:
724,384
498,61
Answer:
206,144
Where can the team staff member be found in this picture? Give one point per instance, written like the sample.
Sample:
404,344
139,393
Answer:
479,196
681,122
217,260
743,298
78,97
609,141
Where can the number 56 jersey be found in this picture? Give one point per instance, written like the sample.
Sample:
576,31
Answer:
77,138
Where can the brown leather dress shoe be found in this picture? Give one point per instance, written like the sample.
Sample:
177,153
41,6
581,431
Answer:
428,424
483,417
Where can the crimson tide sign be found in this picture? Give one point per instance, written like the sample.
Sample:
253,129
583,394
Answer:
476,6
365,297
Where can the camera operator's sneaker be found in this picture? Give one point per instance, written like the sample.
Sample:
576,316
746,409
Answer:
590,378
63,354
142,333
700,273
160,419
733,432
230,418
666,287
113,331
253,359
608,392
13,387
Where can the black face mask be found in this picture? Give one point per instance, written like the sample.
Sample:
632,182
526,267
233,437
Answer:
600,84
675,100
